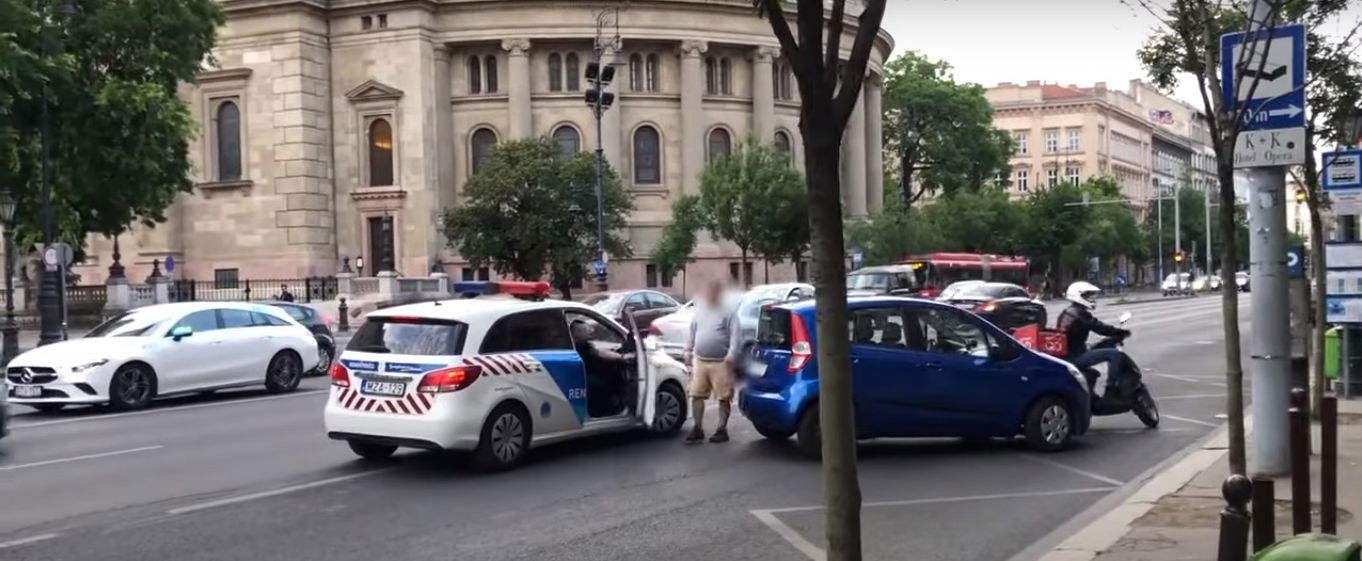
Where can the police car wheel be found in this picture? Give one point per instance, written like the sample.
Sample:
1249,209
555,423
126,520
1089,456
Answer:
284,372
671,410
505,439
371,451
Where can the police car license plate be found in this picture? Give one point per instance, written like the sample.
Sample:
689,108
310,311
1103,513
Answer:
28,391
383,388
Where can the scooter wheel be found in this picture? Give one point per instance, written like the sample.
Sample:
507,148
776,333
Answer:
1145,408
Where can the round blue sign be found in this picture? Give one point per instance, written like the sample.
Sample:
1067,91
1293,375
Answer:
170,263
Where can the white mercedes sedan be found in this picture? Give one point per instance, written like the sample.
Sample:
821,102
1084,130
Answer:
164,350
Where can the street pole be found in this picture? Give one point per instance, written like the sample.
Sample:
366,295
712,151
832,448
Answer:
1177,231
1159,237
49,311
1270,353
599,74
9,345
1206,192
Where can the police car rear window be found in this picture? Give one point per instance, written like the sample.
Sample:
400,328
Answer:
409,336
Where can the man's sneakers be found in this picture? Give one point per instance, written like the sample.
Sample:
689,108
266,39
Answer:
697,436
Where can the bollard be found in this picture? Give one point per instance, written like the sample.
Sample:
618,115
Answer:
1234,520
344,319
1328,465
1300,471
1264,515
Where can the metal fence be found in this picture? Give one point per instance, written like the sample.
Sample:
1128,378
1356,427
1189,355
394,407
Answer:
311,289
85,299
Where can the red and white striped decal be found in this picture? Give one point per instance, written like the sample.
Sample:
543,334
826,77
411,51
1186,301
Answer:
508,364
415,403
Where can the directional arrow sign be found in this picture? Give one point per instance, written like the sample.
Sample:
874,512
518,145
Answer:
1263,73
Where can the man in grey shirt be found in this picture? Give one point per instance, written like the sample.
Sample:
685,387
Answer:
712,348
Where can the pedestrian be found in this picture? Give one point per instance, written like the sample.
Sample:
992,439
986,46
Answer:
712,348
284,294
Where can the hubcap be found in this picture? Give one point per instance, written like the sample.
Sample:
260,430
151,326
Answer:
508,437
323,360
1054,424
668,411
134,385
284,371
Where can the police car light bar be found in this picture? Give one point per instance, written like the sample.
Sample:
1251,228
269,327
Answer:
485,288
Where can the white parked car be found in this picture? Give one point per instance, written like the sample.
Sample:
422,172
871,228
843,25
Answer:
496,375
671,330
166,349
1176,284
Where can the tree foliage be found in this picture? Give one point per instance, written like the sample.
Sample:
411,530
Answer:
940,131
530,211
118,130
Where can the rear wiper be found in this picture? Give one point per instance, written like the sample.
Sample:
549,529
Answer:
373,349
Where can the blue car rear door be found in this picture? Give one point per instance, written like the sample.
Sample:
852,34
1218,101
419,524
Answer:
886,374
964,390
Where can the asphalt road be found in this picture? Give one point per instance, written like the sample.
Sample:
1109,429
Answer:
243,475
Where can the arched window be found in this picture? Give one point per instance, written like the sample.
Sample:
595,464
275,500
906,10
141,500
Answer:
229,141
720,144
555,72
491,70
380,153
474,75
569,141
725,76
652,72
783,144
647,156
711,76
635,72
481,144
574,75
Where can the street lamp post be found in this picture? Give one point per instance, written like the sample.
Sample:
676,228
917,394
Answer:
599,74
50,283
9,348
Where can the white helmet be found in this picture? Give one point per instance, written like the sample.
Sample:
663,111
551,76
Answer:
1083,293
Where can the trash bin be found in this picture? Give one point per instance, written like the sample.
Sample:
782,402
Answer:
1332,353
1311,547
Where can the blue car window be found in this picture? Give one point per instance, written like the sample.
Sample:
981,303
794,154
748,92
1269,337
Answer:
880,326
951,332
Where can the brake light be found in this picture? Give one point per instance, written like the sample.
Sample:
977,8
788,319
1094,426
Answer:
800,348
929,292
340,375
988,307
450,379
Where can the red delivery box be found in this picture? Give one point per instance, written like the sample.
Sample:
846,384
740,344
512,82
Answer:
1047,341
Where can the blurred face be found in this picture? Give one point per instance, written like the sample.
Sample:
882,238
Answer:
714,293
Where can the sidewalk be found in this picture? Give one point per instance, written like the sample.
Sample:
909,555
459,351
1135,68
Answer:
1175,516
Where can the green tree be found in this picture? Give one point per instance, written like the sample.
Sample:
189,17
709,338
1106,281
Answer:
1055,218
118,130
673,249
1168,219
940,131
1111,230
531,211
829,87
985,221
894,233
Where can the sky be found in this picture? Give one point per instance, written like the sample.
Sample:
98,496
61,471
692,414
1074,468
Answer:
1057,41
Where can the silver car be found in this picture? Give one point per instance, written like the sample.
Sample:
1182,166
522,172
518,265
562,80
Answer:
671,330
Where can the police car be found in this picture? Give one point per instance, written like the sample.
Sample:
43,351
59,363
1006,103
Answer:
497,373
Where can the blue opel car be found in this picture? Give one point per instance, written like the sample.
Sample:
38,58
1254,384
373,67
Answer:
919,369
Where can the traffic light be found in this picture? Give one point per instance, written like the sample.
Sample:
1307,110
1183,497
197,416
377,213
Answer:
1300,195
599,77
1177,256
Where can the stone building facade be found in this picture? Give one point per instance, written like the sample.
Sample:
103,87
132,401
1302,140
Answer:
343,129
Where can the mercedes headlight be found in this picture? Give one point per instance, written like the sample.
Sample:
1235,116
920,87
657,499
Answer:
90,365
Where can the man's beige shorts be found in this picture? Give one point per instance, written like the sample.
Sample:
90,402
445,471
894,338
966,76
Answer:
710,375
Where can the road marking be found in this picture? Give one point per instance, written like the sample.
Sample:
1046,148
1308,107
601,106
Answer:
1189,379
790,535
26,541
165,410
1137,431
270,493
1190,396
1193,421
81,458
1071,469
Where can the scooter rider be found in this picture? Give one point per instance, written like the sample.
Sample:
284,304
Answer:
1077,322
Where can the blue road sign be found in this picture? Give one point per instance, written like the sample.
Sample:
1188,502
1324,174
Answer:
1264,73
1342,170
598,266
170,264
1295,261
856,259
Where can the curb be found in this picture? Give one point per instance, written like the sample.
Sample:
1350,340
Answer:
1100,526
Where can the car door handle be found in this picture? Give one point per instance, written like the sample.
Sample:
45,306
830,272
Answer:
933,365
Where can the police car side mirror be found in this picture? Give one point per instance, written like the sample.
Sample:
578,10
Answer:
180,332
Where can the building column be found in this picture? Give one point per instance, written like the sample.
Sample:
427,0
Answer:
874,142
853,161
518,87
763,96
611,132
692,115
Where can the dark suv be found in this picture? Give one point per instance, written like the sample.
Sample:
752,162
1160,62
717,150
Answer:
898,280
326,342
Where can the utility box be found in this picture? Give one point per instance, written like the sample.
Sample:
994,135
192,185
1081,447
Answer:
1332,353
1311,547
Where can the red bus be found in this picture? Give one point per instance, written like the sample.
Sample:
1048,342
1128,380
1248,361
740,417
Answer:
936,271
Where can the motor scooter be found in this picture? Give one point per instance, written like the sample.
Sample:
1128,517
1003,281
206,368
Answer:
1131,395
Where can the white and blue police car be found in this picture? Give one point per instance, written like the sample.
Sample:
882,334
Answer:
497,373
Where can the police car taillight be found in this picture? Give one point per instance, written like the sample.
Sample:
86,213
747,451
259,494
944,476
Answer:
450,379
340,375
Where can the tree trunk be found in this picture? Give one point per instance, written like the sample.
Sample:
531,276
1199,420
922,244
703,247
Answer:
906,180
766,271
742,270
1229,292
841,489
1318,281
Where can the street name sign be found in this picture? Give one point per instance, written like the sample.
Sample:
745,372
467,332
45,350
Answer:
1342,181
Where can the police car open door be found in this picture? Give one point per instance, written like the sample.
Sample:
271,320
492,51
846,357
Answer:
645,377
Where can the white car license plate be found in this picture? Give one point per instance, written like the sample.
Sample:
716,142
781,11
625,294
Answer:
28,391
756,368
383,388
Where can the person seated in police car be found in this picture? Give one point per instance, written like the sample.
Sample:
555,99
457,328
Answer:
604,373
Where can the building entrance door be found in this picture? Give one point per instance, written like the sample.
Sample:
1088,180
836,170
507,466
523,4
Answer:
381,251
